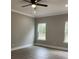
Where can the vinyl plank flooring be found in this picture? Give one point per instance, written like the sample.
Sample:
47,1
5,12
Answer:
36,52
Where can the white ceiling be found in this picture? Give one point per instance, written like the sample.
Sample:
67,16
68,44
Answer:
55,7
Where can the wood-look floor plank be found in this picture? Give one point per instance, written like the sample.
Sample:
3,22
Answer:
35,52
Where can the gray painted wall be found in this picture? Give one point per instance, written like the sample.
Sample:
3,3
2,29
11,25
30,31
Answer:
22,30
55,30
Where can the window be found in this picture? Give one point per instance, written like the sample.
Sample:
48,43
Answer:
41,31
66,32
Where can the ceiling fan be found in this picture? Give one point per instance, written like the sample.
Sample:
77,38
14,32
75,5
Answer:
34,3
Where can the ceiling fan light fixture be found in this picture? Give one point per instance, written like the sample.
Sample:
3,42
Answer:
33,6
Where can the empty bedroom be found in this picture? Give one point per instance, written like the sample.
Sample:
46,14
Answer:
39,29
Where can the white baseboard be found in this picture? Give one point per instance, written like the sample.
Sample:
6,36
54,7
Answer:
56,47
21,47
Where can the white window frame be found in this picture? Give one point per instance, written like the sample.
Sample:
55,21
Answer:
66,37
38,32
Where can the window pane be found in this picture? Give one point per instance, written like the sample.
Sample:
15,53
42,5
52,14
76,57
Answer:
42,31
66,32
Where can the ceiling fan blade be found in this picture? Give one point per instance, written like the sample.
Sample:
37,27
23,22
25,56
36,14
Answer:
26,5
41,4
